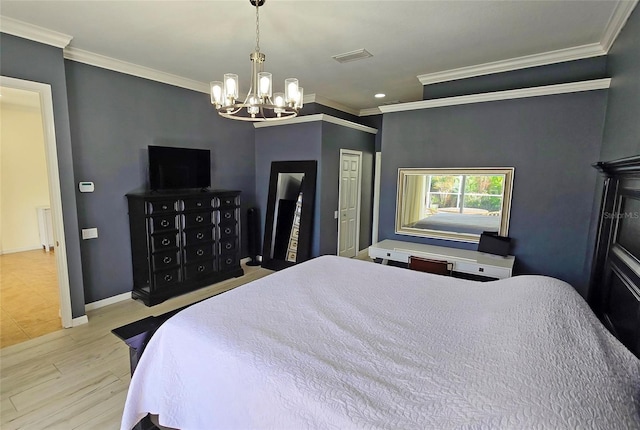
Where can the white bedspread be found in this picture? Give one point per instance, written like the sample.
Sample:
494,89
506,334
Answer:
335,343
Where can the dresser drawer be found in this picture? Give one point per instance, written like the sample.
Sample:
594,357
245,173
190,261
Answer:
201,203
389,254
198,252
162,242
163,222
195,219
198,235
160,206
228,245
198,270
229,201
229,262
227,230
227,215
166,278
481,269
163,260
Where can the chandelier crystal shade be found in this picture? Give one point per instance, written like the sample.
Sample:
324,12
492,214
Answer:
260,104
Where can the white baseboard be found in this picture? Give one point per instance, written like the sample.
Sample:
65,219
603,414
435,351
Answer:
79,321
13,251
122,297
106,302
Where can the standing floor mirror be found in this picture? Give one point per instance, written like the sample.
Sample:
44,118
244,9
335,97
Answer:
289,217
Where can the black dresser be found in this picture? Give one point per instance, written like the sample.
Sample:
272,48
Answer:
182,241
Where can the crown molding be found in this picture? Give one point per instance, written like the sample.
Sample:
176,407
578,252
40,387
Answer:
317,117
573,87
552,57
370,111
619,16
86,57
345,123
314,98
33,32
617,20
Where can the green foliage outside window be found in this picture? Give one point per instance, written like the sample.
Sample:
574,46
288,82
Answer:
480,191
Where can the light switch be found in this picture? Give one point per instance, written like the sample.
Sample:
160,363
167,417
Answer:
89,233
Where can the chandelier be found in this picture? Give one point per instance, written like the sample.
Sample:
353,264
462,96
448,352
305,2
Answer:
259,104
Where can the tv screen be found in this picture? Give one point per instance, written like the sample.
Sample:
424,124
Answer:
179,168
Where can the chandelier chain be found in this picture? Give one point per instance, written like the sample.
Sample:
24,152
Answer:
257,26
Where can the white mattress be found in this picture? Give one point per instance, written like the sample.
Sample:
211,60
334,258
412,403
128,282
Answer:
335,343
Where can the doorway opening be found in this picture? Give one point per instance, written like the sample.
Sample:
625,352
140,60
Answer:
34,279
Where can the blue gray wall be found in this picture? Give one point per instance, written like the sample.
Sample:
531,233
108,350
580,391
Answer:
622,127
32,61
293,142
334,138
551,141
559,73
321,141
373,121
114,117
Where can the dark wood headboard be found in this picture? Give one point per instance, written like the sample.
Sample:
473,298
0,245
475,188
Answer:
614,293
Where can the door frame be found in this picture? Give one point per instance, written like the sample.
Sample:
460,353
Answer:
359,198
55,195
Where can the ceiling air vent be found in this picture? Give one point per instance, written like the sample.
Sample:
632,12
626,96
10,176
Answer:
358,54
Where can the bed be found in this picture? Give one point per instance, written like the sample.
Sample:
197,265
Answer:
348,344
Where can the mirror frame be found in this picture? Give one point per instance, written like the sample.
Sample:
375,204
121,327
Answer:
309,168
454,235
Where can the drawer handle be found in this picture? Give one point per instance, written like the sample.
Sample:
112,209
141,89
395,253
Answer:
228,261
166,241
200,235
200,252
227,215
164,223
165,207
199,204
228,202
199,218
167,260
201,268
168,278
228,245
227,230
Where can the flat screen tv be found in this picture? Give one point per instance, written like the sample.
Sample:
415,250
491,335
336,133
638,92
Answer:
179,168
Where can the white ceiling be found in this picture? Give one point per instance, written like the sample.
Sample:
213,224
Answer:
202,40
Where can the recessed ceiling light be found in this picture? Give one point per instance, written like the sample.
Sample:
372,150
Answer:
380,95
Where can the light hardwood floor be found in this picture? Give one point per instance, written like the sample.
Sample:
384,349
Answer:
78,378
29,296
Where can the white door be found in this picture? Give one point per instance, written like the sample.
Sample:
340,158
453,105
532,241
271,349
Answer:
349,203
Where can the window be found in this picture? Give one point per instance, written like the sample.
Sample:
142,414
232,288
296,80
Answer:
454,204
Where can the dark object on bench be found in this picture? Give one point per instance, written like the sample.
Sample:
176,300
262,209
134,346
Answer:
438,267
491,243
